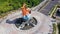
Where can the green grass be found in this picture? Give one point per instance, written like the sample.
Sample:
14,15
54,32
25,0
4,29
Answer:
59,27
8,5
54,28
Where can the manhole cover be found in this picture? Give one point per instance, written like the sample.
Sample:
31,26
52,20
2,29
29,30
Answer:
25,25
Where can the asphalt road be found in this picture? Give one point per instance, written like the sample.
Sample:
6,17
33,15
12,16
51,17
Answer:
49,6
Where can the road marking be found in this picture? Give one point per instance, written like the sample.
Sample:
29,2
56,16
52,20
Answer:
53,11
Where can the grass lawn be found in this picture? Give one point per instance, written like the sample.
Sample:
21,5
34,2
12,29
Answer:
54,28
8,5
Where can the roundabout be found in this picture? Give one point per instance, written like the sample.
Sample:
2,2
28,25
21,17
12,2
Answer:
39,24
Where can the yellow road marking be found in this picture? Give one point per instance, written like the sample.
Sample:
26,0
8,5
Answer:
53,11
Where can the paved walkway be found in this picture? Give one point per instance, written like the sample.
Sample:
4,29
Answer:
44,25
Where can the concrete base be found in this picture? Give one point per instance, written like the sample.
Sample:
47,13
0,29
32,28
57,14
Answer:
43,26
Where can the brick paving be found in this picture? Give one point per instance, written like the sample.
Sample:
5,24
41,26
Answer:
42,26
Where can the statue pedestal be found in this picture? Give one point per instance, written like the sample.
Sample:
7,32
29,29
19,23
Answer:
25,25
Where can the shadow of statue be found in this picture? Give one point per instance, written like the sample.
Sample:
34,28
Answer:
15,21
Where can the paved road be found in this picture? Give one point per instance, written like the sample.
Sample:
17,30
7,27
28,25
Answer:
47,9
